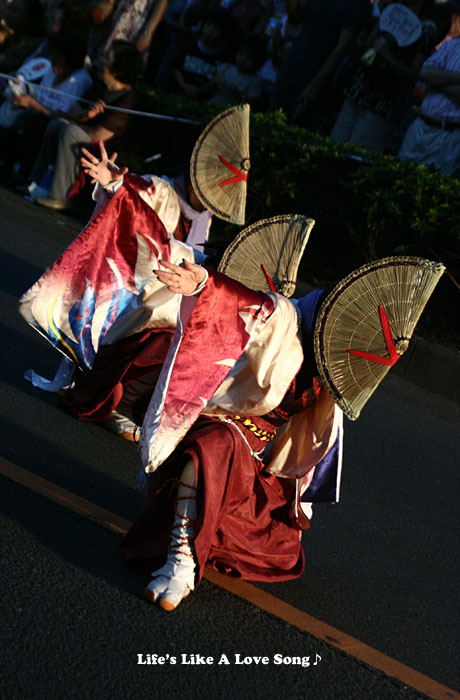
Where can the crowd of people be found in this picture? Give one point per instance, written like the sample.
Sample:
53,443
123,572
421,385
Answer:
327,64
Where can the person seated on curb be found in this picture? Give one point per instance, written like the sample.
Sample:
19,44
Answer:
63,139
30,111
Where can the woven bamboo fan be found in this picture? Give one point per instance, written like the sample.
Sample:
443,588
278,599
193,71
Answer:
365,324
220,163
266,255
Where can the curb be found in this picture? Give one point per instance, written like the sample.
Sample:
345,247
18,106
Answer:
432,367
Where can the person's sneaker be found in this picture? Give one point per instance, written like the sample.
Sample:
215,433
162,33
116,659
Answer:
122,426
55,204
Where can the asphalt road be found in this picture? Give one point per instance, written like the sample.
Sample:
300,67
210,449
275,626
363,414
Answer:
382,566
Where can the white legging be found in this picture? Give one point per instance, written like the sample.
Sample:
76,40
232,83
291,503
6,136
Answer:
181,541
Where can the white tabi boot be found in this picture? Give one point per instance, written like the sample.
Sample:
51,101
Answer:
176,579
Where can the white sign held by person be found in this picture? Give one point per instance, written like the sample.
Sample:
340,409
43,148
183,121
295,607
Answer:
401,23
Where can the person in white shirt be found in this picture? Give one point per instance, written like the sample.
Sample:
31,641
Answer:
434,137
39,105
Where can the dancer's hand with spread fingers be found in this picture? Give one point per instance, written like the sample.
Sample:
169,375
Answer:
103,170
181,279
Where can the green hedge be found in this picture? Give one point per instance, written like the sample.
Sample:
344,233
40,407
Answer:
365,205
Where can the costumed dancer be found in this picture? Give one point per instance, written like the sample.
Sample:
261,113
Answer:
117,371
96,393
250,442
239,372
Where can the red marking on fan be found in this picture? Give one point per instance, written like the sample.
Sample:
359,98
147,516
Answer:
239,176
269,279
394,357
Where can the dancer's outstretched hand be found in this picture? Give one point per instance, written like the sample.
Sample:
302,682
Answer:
181,279
103,170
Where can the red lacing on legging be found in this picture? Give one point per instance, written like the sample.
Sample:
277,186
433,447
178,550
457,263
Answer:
181,539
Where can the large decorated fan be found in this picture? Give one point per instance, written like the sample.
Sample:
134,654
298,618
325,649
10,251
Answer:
365,324
220,163
266,255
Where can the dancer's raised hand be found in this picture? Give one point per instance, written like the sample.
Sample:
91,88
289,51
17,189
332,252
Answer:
103,170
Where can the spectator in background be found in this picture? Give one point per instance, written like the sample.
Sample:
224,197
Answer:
185,18
434,137
247,17
21,31
149,28
380,91
169,39
328,30
281,30
283,26
35,109
63,140
130,20
238,82
196,66
454,29
66,51
67,14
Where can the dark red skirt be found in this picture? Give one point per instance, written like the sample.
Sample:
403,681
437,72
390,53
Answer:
243,527
98,391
